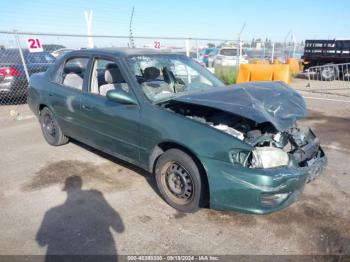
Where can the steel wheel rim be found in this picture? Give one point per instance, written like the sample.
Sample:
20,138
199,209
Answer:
177,183
49,126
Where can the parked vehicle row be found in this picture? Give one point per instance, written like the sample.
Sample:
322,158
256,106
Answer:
222,56
13,81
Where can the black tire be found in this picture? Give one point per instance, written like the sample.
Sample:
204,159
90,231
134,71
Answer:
179,181
50,128
329,72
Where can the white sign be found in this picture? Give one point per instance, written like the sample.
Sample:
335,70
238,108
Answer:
34,45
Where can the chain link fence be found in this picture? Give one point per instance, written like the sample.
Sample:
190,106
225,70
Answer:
19,59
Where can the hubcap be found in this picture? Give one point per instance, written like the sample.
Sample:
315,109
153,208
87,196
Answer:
49,126
177,182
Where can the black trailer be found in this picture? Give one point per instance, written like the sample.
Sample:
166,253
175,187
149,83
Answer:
327,53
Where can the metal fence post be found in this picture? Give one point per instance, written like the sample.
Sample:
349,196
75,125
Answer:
187,43
88,19
21,55
238,50
309,83
273,53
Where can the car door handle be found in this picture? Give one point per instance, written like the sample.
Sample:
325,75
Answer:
87,108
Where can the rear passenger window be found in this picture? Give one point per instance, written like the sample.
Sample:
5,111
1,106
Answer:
106,76
71,73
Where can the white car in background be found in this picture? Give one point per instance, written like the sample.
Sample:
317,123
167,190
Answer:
228,57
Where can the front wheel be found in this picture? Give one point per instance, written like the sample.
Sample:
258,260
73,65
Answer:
179,180
50,128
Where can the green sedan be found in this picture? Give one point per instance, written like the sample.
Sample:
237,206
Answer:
208,145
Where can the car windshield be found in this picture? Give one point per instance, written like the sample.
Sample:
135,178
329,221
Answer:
164,76
228,52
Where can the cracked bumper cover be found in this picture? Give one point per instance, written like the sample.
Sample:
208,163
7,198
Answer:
241,189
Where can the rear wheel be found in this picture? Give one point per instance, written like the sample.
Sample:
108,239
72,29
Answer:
50,128
329,72
179,180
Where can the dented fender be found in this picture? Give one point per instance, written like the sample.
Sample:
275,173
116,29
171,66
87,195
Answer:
240,189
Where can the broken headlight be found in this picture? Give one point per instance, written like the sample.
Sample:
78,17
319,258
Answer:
239,157
269,157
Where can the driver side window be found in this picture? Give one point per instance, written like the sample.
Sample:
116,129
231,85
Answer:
106,76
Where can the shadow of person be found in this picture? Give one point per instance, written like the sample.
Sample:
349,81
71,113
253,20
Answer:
80,226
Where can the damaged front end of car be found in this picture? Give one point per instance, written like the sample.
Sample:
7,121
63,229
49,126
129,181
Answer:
280,157
295,147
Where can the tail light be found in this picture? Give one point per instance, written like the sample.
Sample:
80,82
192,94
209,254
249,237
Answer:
9,71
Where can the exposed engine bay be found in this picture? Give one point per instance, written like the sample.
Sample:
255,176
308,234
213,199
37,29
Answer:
272,148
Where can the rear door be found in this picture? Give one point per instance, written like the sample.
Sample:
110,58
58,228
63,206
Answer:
112,127
65,91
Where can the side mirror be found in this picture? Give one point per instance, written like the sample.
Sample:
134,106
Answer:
120,96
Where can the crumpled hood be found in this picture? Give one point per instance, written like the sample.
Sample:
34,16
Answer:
273,102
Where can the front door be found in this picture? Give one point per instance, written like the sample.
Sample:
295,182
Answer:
111,126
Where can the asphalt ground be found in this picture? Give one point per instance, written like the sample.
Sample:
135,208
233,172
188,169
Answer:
118,209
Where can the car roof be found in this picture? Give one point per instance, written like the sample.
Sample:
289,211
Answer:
119,52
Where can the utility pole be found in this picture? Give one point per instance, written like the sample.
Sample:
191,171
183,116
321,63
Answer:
294,45
131,38
273,53
264,54
239,47
88,20
285,43
187,46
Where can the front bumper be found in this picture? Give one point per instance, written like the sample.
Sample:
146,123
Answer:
247,189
